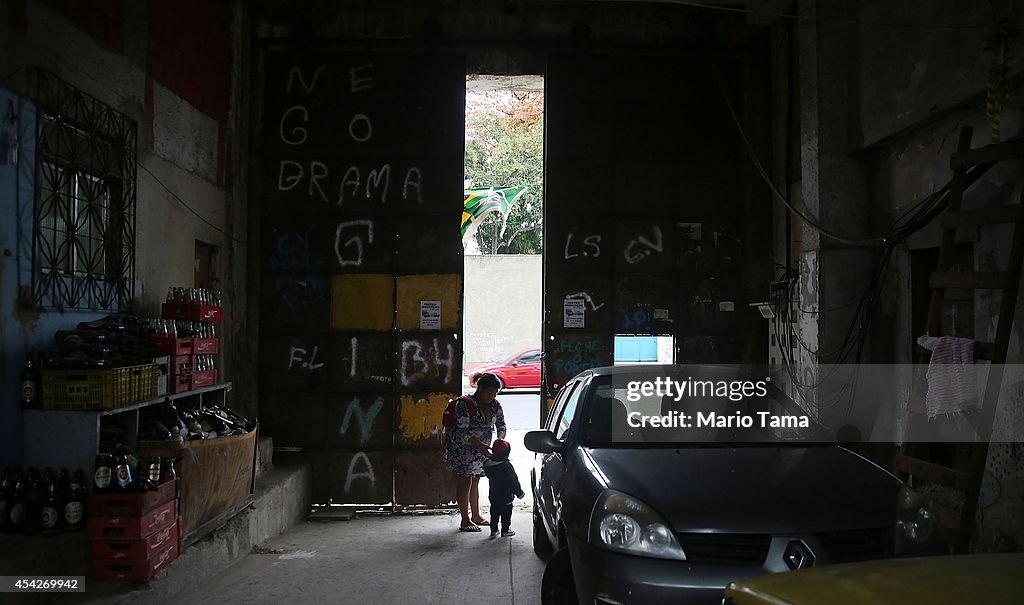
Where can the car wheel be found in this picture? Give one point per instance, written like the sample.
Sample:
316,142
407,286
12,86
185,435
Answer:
501,382
541,544
557,586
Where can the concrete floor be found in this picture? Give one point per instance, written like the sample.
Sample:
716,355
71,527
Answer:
369,560
395,559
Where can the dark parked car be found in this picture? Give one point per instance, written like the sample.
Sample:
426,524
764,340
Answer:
639,510
522,370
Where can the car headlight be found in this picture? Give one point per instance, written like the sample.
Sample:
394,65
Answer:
914,521
623,523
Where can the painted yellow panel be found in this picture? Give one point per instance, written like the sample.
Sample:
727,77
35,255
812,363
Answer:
419,418
446,288
362,302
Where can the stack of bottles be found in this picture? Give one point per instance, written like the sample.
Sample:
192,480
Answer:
42,503
187,333
165,421
134,524
112,342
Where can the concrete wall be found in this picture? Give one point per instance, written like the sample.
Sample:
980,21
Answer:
186,136
883,92
502,306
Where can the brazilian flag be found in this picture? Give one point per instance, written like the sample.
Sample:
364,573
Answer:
478,203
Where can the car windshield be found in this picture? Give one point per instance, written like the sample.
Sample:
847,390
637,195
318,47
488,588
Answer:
692,407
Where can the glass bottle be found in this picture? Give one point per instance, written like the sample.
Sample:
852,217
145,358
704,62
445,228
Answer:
6,496
122,473
50,512
104,474
74,507
167,471
18,505
29,385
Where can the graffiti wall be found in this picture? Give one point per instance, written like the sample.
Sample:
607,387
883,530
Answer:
361,277
647,215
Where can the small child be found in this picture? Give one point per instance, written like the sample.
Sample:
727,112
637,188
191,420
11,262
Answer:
503,485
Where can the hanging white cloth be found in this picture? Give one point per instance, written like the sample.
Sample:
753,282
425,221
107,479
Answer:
952,387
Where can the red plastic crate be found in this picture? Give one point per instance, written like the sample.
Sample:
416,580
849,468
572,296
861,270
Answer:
135,570
181,374
204,379
191,312
173,346
137,549
132,504
205,346
132,528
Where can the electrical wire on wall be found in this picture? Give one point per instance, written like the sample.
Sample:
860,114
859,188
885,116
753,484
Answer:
186,206
851,349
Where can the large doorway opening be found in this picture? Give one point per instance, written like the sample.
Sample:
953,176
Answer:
502,229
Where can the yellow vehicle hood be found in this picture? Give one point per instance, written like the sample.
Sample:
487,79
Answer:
956,579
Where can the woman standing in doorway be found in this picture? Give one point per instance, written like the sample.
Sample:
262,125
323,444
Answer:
466,448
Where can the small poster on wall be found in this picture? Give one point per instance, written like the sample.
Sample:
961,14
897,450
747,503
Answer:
574,313
430,315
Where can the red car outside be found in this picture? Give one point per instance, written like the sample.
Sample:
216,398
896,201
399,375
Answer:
522,370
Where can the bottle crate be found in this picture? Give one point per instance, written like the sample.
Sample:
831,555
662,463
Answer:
98,388
166,345
138,549
205,346
132,528
132,504
191,312
181,373
135,570
204,379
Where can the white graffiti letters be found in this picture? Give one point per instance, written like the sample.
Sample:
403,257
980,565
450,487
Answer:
298,134
357,80
640,248
354,241
427,361
586,297
298,355
366,473
296,73
591,247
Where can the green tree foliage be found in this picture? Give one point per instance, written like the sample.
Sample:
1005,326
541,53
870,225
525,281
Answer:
505,148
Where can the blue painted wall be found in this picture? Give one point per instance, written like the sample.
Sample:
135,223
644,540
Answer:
22,328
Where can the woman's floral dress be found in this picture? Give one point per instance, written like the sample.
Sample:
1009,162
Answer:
459,456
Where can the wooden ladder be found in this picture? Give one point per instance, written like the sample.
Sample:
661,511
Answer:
967,477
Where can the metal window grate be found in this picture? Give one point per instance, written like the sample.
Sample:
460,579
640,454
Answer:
84,218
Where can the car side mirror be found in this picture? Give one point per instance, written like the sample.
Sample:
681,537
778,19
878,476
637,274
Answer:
514,364
542,442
